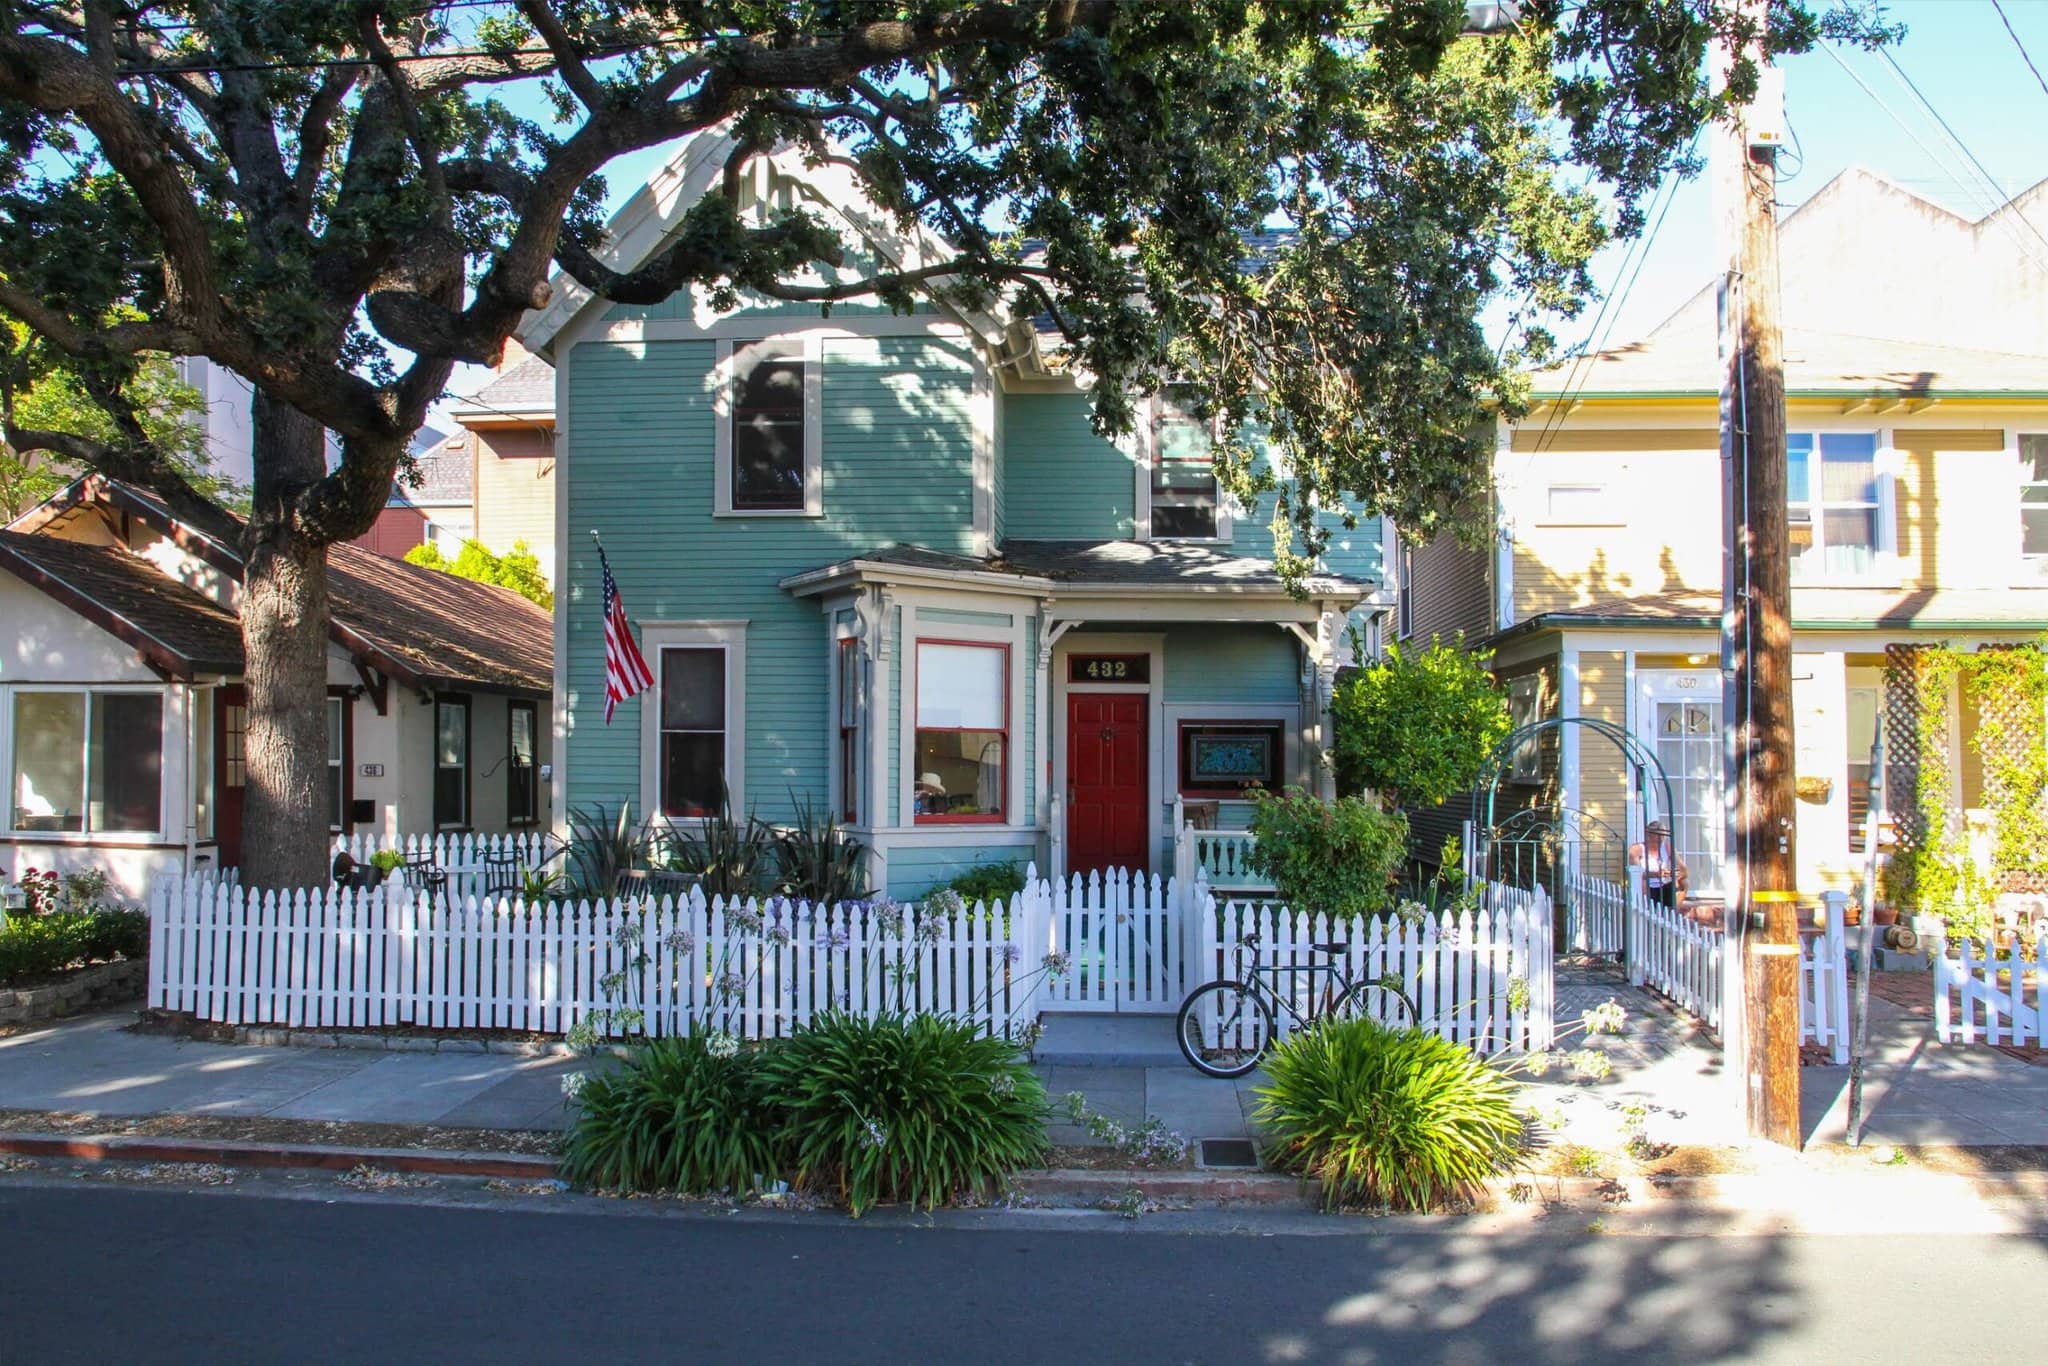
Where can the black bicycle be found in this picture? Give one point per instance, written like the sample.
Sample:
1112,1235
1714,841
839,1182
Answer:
1226,1026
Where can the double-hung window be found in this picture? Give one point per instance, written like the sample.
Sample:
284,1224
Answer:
1525,708
2034,495
693,725
337,760
522,789
963,731
87,762
768,439
451,762
1185,501
1834,501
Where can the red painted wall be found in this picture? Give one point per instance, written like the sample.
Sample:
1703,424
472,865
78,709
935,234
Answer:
395,531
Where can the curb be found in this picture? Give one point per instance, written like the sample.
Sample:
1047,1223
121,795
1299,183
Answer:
235,1153
1093,1187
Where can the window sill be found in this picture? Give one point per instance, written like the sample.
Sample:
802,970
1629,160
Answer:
769,512
995,819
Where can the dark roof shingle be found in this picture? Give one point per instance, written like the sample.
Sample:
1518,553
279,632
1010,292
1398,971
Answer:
136,600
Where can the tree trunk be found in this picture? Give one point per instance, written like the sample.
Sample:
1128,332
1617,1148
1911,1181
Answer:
284,636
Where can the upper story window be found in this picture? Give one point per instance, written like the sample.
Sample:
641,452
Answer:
1185,500
2034,493
768,441
88,762
1835,496
963,730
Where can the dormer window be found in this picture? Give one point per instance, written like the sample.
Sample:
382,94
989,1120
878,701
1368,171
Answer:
768,444
1186,505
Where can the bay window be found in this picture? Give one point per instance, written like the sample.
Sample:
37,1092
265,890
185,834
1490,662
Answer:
1834,502
849,731
87,762
963,731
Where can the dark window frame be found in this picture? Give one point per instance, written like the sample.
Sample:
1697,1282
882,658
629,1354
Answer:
348,755
773,352
468,769
513,814
847,704
661,730
1192,728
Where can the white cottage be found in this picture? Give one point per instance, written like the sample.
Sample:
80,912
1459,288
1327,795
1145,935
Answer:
122,711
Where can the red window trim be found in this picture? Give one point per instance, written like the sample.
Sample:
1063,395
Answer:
1236,794
1001,815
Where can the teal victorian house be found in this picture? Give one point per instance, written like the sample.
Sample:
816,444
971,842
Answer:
881,561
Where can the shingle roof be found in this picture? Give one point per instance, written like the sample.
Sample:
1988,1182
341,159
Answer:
439,630
446,477
528,387
173,626
1105,564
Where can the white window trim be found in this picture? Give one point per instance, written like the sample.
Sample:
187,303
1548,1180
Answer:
2034,566
1148,449
88,837
807,347
731,636
900,805
1885,568
1526,765
342,762
1605,513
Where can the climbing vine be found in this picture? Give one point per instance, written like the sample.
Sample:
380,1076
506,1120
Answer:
1936,873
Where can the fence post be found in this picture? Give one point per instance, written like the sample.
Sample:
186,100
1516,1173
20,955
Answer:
1934,939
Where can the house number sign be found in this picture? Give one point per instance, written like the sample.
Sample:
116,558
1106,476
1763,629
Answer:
1109,668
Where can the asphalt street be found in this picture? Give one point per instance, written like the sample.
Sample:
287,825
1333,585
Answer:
138,1275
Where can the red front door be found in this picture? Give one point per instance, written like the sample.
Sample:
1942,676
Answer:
230,726
1106,789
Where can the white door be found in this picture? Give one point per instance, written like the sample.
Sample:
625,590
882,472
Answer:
1678,714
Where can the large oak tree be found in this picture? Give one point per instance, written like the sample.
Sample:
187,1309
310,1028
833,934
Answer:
341,199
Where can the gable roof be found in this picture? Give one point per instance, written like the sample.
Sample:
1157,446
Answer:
646,221
427,629
447,477
1884,292
177,630
526,390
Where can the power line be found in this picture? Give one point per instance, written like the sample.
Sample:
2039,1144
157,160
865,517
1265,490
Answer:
2025,56
1989,179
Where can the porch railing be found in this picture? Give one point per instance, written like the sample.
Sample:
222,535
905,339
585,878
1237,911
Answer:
1221,858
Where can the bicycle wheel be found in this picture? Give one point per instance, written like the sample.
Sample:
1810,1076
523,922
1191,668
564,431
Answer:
1358,1001
1224,1029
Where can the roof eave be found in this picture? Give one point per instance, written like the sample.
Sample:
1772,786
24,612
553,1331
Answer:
164,658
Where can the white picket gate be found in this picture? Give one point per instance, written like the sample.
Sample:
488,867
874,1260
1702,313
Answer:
347,959
1482,978
1121,933
1983,995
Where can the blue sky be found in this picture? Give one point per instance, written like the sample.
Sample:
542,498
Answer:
1956,52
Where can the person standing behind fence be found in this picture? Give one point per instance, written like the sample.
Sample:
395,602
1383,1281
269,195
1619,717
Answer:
1664,874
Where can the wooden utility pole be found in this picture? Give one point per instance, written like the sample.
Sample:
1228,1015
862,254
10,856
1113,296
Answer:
1757,617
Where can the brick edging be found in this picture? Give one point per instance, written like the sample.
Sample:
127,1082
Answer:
239,1153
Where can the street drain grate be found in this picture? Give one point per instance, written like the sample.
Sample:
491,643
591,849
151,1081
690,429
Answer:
1229,1152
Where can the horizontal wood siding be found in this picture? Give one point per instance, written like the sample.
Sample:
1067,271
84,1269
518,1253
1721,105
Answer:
1450,590
1603,773
639,470
915,870
1062,481
1248,664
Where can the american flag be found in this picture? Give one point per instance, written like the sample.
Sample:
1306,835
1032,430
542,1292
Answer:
625,669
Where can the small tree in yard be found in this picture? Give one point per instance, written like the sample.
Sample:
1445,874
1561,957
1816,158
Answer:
341,199
1416,727
1336,858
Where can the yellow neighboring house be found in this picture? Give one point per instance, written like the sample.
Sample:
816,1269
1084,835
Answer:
1916,373
510,428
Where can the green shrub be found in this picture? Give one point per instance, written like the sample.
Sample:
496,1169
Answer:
1336,858
817,861
38,946
1387,1118
989,884
684,1115
915,1108
1417,726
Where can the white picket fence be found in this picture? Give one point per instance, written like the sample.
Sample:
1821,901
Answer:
1481,978
468,860
368,960
1681,959
1983,995
1596,920
1123,936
